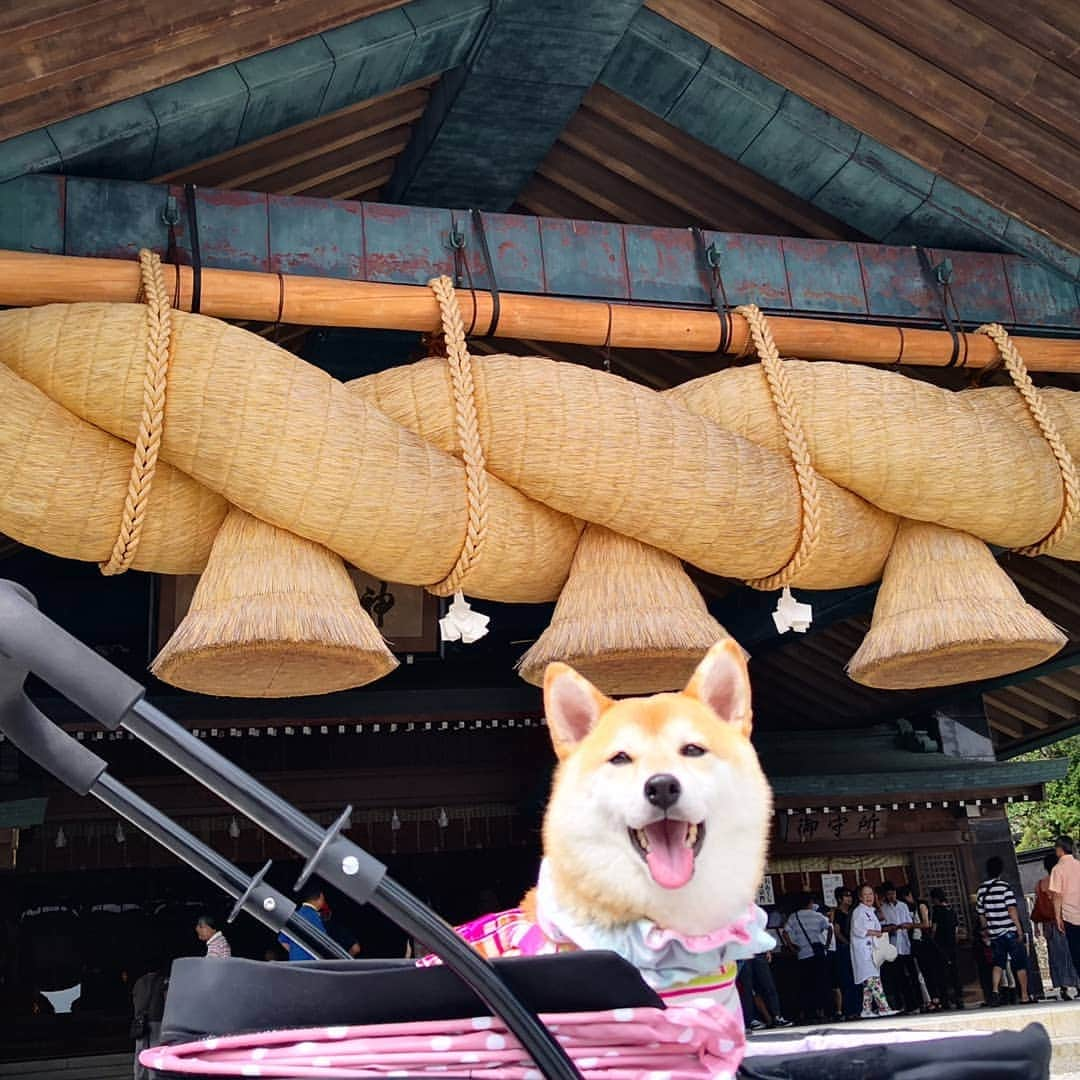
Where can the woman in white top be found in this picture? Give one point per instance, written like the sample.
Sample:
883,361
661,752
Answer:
865,926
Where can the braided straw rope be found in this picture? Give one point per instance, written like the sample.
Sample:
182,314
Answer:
1017,370
148,443
468,432
791,421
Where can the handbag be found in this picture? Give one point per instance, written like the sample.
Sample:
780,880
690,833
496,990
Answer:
1044,907
140,1026
817,946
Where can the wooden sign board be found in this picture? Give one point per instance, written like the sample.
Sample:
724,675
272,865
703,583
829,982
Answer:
406,615
868,825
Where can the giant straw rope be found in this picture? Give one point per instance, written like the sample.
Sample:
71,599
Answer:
481,472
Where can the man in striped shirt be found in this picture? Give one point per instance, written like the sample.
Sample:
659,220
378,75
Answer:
996,904
217,945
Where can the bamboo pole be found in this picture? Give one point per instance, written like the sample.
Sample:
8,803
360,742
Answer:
28,279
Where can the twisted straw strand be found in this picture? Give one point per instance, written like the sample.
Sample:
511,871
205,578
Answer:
468,431
1018,372
148,442
787,410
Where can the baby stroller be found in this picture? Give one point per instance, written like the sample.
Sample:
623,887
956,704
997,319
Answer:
576,1014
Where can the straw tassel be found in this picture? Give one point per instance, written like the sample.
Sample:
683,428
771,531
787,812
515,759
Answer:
273,615
629,619
947,613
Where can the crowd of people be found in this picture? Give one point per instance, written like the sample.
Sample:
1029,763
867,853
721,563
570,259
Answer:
878,951
883,950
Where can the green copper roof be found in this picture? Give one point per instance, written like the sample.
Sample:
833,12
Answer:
939,774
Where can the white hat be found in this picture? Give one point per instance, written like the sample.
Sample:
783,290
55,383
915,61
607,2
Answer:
884,950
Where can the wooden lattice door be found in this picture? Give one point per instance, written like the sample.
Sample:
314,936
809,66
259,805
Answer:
941,870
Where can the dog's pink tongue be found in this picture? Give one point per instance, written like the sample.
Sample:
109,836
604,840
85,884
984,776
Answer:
670,861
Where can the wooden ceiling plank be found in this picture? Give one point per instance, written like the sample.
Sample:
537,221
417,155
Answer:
835,686
804,692
34,19
1051,568
211,33
366,179
543,198
1005,726
690,152
899,76
126,29
1029,581
827,647
1050,28
321,168
1065,682
703,198
252,161
849,101
1046,697
1023,714
1008,71
614,194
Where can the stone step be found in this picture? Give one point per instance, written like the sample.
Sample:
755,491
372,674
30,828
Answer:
1065,1059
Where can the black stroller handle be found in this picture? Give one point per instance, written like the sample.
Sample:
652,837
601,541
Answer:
35,643
80,769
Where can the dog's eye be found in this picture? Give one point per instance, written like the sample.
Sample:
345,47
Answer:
621,758
692,750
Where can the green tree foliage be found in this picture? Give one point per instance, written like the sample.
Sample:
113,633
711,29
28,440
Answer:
1036,824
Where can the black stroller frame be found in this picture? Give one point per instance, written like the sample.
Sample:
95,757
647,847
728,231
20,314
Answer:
30,642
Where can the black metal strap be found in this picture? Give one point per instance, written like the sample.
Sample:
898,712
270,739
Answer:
938,280
714,282
485,251
171,217
458,240
196,253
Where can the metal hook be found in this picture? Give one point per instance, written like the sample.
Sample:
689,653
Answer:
457,238
171,214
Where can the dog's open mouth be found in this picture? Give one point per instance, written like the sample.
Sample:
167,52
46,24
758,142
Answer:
669,848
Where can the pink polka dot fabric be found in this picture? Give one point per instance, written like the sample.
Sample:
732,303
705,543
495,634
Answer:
692,1038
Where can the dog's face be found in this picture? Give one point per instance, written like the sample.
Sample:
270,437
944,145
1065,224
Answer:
659,808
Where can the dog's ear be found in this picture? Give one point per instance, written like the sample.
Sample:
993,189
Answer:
572,706
722,682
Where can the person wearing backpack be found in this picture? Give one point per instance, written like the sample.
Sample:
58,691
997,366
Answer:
807,933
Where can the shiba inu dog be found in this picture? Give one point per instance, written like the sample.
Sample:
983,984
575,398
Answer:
654,846
659,809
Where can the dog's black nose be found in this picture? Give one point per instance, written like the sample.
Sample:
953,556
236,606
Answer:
663,790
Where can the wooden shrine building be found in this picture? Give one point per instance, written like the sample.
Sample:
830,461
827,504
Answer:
833,161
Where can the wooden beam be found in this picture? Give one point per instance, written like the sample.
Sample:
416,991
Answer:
655,142
1046,697
1065,682
27,280
834,686
244,166
1006,727
1002,704
1047,592
63,64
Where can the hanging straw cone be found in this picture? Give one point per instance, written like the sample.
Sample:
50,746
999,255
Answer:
947,613
628,618
273,615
